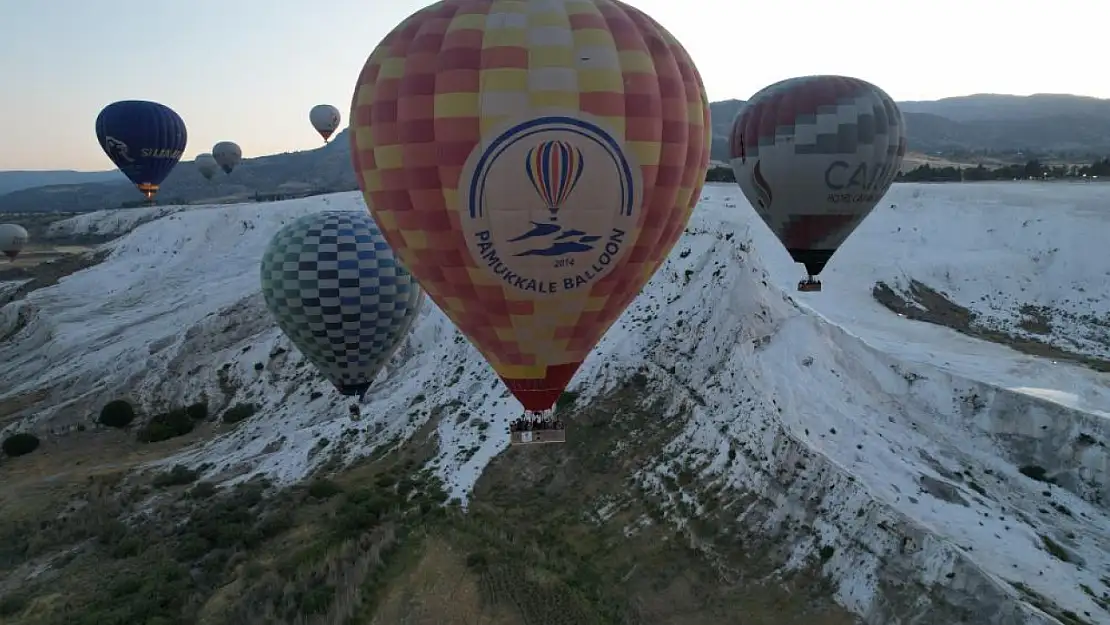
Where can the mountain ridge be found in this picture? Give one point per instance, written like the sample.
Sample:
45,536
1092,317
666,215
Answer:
967,127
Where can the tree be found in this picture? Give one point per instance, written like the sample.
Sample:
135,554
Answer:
117,414
1033,169
720,174
20,444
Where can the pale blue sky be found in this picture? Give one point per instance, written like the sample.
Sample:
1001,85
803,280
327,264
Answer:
249,70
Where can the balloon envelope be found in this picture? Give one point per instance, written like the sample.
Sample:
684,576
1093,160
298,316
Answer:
207,165
532,168
813,156
228,155
144,139
325,118
13,238
335,289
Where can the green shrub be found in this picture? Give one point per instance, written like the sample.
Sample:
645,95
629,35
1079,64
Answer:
20,444
323,488
117,414
197,411
477,561
203,490
566,400
177,476
165,426
239,412
13,604
1034,472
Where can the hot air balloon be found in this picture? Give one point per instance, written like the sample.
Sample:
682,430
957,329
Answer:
335,289
533,168
207,165
325,119
144,140
227,155
13,238
814,155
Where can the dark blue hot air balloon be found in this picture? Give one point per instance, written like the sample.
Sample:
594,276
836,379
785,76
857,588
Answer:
144,139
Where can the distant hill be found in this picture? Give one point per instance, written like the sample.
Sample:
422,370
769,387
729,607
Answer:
1040,124
1002,126
997,107
18,180
323,169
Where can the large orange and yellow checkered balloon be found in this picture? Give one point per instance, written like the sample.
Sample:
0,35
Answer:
532,162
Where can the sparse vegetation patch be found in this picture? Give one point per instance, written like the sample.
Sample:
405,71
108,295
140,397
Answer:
239,412
19,444
117,414
164,426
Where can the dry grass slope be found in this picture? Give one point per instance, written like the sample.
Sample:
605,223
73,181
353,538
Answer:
554,536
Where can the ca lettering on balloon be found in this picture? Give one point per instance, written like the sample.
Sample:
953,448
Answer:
862,183
550,203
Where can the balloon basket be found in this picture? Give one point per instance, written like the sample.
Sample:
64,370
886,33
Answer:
537,432
538,437
809,286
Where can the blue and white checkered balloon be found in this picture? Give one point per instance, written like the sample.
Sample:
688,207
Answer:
335,289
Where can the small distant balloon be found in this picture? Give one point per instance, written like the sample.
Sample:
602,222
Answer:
144,139
814,155
335,289
325,118
227,155
207,165
13,238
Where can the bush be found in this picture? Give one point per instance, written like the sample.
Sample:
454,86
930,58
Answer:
176,476
477,561
322,488
13,604
239,412
117,414
203,490
165,426
566,400
197,411
20,444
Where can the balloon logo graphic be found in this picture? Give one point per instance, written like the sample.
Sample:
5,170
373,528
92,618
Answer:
504,221
763,194
471,124
554,168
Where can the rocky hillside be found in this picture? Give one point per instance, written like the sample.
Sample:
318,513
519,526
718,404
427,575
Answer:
1006,126
17,180
294,173
731,451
